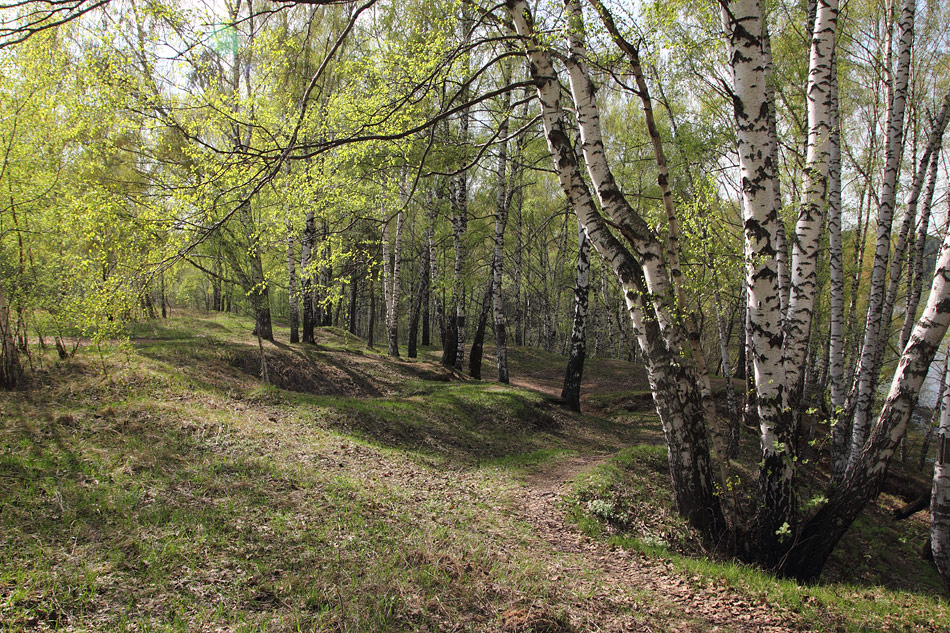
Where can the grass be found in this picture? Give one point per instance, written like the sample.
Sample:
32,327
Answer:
162,486
627,502
171,496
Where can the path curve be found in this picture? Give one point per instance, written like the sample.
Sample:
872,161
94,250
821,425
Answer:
631,584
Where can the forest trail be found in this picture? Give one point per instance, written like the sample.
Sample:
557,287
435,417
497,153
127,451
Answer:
634,591
358,492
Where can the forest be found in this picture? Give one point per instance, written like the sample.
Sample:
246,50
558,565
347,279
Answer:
442,315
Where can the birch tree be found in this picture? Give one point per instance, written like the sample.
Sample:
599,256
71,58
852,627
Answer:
645,285
940,497
571,392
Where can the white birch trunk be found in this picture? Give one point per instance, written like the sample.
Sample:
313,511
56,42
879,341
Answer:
392,285
676,395
839,435
743,24
781,241
940,496
804,272
915,273
865,376
571,392
862,480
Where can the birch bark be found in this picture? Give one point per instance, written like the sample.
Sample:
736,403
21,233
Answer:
915,274
940,497
571,392
820,98
839,436
864,374
862,481
742,20
674,385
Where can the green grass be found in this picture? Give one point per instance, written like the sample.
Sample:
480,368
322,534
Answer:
162,486
202,497
628,503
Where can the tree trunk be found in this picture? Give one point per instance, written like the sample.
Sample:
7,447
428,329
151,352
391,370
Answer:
940,406
10,369
777,509
940,497
431,215
820,97
861,482
865,376
836,350
571,393
674,384
391,283
478,342
457,324
292,283
307,246
916,272
503,194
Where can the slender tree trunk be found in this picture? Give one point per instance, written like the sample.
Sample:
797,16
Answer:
940,407
940,497
821,97
478,342
10,369
457,324
864,374
323,310
781,241
517,273
674,384
836,359
292,283
255,285
571,393
307,246
391,283
916,271
503,194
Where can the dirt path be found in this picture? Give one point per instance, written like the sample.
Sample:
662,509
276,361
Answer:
630,591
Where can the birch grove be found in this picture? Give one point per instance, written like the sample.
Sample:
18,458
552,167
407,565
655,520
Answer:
756,191
779,335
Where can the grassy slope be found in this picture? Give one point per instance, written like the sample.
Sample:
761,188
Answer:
178,492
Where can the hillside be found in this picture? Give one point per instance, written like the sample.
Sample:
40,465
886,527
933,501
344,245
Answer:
163,486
